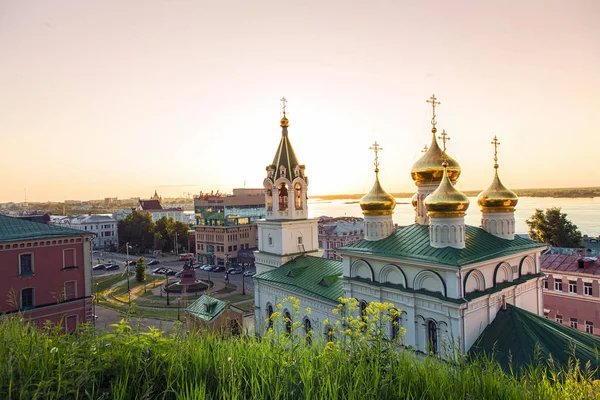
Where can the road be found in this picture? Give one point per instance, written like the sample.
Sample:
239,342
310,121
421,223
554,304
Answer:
168,262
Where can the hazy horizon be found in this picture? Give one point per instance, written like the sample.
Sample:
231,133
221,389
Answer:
118,99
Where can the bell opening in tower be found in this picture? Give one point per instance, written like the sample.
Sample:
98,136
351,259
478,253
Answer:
298,196
283,197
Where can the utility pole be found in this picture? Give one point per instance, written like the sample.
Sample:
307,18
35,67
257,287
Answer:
127,271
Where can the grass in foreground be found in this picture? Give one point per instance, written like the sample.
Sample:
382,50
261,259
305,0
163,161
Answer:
128,364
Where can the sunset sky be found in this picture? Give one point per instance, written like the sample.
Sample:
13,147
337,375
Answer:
119,98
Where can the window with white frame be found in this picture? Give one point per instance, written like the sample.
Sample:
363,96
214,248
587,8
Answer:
270,240
589,327
69,260
300,239
558,285
574,323
70,290
27,300
26,264
545,283
573,287
559,319
587,288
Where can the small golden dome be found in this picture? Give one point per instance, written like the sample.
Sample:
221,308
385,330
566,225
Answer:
377,201
497,197
415,201
428,169
284,121
446,200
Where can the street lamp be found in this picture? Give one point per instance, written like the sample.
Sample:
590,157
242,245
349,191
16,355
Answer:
243,285
167,288
178,302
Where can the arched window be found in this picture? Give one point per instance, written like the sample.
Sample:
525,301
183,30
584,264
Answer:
432,336
269,198
288,322
395,328
298,196
308,331
283,197
269,313
330,334
363,313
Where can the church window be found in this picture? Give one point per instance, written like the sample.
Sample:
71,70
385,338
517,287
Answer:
283,197
288,322
270,240
395,331
269,198
308,331
330,334
298,196
363,313
269,313
300,239
432,336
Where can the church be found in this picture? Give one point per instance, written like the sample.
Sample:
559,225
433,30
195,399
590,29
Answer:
449,280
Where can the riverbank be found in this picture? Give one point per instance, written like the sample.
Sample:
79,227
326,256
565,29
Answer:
572,193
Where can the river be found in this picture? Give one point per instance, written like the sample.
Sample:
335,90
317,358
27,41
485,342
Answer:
583,212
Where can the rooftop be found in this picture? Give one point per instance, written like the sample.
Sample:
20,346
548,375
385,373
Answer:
308,275
12,229
412,242
206,308
515,335
570,263
149,205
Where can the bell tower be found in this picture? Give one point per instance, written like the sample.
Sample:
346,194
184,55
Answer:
286,232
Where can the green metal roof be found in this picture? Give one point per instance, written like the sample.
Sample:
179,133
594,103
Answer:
516,335
412,242
285,156
12,229
312,276
206,307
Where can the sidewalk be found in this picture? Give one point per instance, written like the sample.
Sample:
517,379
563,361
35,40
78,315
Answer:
107,316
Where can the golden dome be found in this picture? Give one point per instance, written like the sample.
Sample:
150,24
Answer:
377,201
428,169
415,201
497,197
284,121
446,200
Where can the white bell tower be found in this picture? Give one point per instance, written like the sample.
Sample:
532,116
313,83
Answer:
286,232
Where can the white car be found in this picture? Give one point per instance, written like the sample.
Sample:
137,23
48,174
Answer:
249,273
99,267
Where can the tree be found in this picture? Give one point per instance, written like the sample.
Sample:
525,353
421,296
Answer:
138,229
553,227
140,270
167,227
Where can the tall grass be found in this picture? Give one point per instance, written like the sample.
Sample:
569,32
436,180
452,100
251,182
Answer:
129,364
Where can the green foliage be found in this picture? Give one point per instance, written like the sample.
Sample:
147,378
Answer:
359,363
138,229
164,234
553,227
140,270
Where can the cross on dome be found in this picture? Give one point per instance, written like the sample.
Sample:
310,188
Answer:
376,148
496,143
444,138
283,105
433,101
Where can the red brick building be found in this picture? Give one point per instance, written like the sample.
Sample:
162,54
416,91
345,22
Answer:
46,272
572,291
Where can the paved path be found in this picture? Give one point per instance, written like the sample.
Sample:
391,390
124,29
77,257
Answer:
107,316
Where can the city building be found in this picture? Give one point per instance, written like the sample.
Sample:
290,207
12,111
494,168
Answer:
448,279
217,316
572,290
46,272
246,205
338,232
153,207
103,227
225,230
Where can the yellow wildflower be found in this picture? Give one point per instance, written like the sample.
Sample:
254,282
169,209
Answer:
308,310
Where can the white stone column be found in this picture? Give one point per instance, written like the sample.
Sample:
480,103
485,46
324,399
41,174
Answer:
501,224
423,190
378,226
447,232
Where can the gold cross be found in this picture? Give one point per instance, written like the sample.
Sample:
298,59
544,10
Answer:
496,143
283,101
376,148
444,138
425,149
434,103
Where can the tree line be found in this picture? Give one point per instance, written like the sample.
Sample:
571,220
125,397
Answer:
143,234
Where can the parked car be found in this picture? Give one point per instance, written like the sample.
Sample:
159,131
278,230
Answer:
158,270
178,274
219,269
249,273
130,262
170,272
99,267
112,267
235,271
206,267
153,262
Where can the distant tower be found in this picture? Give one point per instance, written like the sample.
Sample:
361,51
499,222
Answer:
446,208
427,172
378,206
286,231
497,204
156,197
